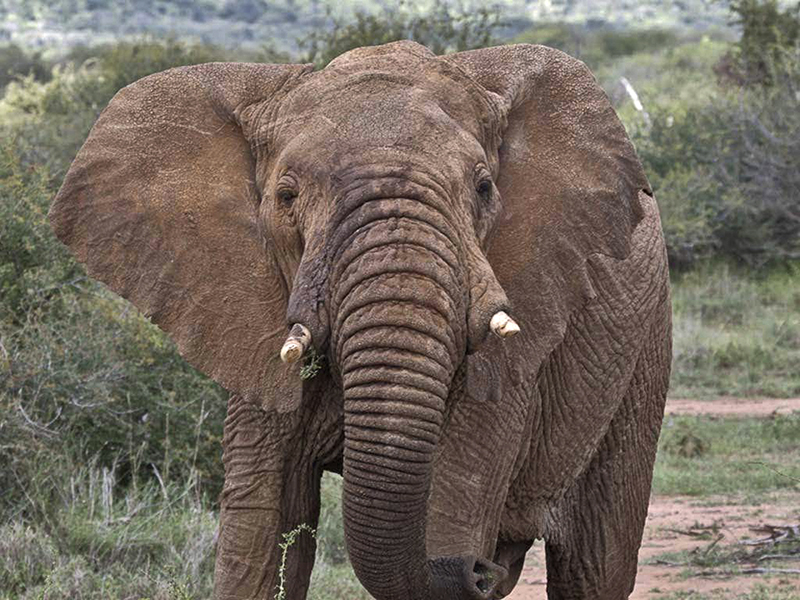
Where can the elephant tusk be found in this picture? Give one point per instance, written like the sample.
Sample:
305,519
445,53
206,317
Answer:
503,326
296,344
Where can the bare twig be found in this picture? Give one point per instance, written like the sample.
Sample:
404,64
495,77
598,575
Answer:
795,556
713,544
43,428
763,464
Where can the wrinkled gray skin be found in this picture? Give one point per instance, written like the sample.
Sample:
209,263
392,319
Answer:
392,203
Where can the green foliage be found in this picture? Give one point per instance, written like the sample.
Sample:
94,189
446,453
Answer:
312,366
80,370
33,264
597,46
289,539
333,577
442,29
16,62
334,582
331,546
725,166
767,33
106,541
54,117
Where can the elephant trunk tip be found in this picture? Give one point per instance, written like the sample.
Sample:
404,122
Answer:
296,344
503,325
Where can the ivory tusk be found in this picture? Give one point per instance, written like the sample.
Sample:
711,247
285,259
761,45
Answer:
503,326
296,344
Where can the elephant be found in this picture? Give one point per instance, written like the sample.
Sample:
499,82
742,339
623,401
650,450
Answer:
350,252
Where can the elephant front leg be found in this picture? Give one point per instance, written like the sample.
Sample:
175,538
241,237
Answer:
271,487
593,546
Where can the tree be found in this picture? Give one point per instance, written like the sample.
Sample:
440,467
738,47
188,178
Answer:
768,33
442,29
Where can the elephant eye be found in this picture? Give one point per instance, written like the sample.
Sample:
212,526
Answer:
484,188
286,189
286,196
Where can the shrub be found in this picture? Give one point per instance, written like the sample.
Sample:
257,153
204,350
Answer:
80,370
16,62
54,117
597,46
442,29
726,172
767,32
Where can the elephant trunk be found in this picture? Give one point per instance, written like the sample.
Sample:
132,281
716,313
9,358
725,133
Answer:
393,416
398,332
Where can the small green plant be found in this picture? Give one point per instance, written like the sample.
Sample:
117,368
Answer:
288,541
176,590
312,366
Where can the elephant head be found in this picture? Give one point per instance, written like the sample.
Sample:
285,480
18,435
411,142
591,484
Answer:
352,209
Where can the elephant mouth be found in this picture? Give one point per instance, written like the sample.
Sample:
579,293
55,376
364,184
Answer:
465,578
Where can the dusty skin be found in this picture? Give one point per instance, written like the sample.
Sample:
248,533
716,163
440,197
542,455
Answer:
668,516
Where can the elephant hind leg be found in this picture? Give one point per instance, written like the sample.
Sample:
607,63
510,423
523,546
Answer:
593,544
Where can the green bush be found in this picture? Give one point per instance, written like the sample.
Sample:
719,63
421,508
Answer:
442,29
54,117
726,170
106,541
767,32
598,47
16,62
80,370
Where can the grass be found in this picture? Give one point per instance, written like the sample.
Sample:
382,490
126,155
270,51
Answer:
98,539
783,591
700,456
95,539
736,333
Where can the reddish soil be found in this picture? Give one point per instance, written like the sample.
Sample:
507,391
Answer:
734,407
674,524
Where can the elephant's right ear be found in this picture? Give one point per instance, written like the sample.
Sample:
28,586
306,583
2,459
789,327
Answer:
161,205
570,182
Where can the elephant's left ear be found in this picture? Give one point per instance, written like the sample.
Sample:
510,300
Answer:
569,177
161,205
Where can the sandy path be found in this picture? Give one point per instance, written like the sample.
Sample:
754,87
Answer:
669,516
734,407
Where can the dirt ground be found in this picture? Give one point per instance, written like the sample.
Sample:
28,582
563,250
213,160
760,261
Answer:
734,407
675,524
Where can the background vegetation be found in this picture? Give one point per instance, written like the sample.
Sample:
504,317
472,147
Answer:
109,443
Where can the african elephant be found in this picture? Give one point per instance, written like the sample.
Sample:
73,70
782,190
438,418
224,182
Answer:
385,213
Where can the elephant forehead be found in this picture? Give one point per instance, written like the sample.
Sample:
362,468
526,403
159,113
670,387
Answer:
380,107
